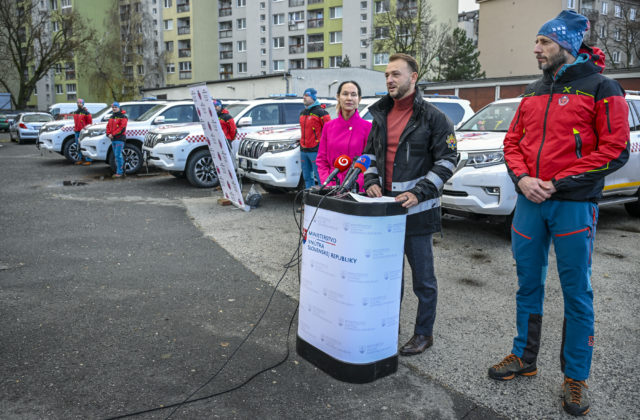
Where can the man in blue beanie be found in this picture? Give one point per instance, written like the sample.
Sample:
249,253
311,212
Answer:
571,129
312,120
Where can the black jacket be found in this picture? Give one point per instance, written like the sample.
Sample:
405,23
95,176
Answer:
425,159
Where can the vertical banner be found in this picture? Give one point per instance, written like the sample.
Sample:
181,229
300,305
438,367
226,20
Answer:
222,158
350,284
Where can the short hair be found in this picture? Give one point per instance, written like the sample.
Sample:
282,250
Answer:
353,82
411,62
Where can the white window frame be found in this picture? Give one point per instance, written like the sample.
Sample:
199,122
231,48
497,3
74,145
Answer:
184,65
276,42
617,11
605,8
241,24
170,68
571,4
59,90
333,61
334,12
242,45
333,37
363,5
241,3
616,57
632,14
379,7
71,88
276,67
363,56
278,19
65,4
167,24
242,67
167,4
381,59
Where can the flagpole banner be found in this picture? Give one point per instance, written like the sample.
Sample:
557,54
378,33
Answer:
220,153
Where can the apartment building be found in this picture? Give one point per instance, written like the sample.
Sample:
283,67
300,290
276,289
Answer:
507,29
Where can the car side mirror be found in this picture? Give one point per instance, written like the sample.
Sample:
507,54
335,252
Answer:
245,121
159,120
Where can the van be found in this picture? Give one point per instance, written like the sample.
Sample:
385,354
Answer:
60,109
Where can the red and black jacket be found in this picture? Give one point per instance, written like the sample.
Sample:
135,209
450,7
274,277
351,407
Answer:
117,126
227,124
571,128
81,119
312,120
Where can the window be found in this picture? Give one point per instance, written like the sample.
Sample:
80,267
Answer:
155,11
54,6
168,46
263,51
140,69
616,56
296,16
263,41
59,90
571,4
363,5
185,66
278,42
632,14
263,63
335,61
242,67
364,43
242,46
278,19
381,32
380,59
263,29
71,88
335,37
603,31
363,56
363,30
616,34
171,68
57,68
242,3
335,12
262,18
167,4
617,11
241,23
382,6
363,17
55,25
65,3
168,24
278,65
267,114
180,114
605,8
262,5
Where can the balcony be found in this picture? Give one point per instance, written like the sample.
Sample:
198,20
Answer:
226,75
183,8
315,23
184,52
70,74
294,3
226,55
315,47
225,34
225,11
296,49
296,26
185,74
315,1
184,30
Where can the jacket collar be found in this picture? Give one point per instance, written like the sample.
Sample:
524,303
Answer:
384,105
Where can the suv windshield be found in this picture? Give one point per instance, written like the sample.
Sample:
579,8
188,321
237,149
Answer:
100,113
150,113
235,108
493,117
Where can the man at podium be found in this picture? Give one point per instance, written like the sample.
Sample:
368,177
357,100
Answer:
412,147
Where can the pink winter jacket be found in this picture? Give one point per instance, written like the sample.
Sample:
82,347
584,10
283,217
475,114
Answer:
342,137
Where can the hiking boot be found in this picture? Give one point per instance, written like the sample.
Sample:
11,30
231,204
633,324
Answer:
511,366
78,162
86,163
574,397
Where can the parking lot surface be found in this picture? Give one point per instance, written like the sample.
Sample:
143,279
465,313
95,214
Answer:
123,295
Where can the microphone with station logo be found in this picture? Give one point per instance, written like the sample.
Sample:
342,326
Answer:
359,166
341,164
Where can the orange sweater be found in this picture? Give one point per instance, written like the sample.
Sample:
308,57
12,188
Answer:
397,120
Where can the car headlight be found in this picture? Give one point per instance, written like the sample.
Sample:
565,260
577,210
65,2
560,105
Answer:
482,159
170,138
49,128
96,133
281,146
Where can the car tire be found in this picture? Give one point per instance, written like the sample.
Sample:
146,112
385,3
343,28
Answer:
70,150
506,225
20,140
633,208
132,159
200,170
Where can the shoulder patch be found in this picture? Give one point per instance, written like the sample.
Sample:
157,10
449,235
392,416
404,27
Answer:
451,141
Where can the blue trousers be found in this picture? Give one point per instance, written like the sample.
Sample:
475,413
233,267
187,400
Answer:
117,154
77,137
419,251
309,168
572,227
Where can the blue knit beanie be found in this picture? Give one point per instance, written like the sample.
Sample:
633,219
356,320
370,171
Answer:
567,29
116,104
312,93
217,103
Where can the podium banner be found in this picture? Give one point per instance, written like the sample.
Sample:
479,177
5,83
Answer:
218,146
351,278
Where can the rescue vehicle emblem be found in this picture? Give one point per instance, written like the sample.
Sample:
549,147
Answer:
564,99
451,142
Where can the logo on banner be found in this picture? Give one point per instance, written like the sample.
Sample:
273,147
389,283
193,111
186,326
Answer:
199,114
199,96
304,235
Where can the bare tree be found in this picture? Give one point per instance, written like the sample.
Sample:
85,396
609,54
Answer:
33,40
410,29
619,34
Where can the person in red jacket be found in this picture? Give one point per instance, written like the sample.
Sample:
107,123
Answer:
570,131
81,119
312,119
228,125
116,129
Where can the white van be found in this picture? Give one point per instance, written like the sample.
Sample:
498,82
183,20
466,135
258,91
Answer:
68,107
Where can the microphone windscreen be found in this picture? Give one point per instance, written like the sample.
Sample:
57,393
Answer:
342,163
363,163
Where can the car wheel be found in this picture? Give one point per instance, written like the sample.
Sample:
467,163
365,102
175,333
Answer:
506,226
70,150
132,159
200,171
633,208
20,140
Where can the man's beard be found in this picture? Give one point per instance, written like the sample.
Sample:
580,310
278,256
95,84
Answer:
554,62
402,90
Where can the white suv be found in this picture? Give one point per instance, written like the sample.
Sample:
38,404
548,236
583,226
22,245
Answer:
182,150
58,136
95,144
273,158
481,186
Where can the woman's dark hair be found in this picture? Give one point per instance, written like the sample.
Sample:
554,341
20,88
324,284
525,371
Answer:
352,82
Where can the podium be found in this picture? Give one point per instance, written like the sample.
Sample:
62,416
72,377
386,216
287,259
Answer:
351,277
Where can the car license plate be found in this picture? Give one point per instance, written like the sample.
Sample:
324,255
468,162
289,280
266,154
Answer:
245,164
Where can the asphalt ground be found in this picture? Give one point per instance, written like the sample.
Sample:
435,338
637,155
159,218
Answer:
114,299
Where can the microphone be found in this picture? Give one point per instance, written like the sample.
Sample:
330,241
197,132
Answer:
341,164
359,166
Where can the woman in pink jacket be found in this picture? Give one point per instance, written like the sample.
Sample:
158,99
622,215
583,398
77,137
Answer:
345,135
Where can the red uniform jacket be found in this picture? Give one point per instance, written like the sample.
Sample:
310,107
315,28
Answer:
81,119
312,120
117,126
228,125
